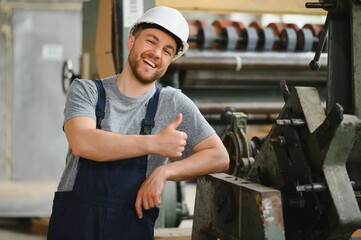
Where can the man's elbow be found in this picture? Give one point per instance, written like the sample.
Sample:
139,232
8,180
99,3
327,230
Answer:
87,154
223,160
77,150
225,163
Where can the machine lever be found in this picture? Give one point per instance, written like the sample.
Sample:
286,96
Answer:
284,89
315,64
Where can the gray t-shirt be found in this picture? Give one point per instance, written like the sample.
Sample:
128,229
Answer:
124,115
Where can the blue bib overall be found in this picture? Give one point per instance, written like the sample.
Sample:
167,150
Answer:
101,205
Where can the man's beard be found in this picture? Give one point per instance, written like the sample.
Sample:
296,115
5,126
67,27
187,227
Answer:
140,75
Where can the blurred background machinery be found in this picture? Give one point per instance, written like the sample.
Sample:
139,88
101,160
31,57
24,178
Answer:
231,63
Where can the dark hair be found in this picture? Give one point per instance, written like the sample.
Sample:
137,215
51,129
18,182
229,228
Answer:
156,26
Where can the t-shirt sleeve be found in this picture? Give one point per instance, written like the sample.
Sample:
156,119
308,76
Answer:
194,123
81,100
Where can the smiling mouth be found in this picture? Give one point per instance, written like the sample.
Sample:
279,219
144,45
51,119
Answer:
150,63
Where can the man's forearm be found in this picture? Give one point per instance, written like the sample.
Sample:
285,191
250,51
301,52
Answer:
101,145
209,160
91,143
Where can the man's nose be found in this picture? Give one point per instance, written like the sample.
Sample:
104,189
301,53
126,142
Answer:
156,51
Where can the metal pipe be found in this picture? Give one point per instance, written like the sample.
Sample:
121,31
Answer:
247,61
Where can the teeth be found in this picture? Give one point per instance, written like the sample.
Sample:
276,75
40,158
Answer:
149,62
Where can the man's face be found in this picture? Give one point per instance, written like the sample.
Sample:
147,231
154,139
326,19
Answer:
151,52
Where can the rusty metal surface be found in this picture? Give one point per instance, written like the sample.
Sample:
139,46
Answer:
228,207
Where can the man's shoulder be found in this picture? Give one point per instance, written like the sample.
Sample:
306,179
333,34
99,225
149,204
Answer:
82,83
171,92
109,79
89,85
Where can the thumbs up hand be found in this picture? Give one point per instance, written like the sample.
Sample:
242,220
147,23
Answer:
171,142
176,122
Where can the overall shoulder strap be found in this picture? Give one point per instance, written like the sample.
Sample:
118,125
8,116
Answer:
148,121
100,107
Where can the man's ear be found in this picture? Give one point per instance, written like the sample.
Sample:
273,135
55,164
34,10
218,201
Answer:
130,41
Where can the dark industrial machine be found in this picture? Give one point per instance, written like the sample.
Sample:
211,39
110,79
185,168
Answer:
302,181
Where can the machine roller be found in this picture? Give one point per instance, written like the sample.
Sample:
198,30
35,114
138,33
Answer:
233,36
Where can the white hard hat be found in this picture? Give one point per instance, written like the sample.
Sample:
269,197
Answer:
169,19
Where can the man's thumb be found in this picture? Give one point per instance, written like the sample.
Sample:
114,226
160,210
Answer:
176,122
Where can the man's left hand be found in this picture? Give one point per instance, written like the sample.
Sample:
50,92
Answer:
149,194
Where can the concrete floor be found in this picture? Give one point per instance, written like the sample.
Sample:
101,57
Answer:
35,229
19,229
10,235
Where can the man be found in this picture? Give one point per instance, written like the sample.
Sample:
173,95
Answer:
116,170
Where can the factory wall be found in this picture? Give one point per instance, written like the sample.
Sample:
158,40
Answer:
36,37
